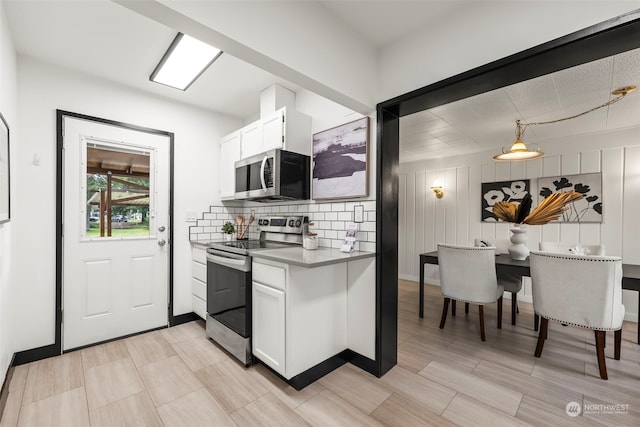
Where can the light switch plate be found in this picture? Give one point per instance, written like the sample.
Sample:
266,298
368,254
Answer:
358,213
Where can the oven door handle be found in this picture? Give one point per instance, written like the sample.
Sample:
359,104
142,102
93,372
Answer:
239,263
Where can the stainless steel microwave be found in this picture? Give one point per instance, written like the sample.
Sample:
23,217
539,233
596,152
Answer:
273,175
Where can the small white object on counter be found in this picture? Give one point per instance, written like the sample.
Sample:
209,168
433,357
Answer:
310,243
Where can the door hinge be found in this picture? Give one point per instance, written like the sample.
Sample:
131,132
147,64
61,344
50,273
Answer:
62,316
283,119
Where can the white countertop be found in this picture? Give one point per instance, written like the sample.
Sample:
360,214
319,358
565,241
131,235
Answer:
310,258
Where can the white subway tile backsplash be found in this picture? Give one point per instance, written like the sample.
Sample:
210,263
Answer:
330,220
369,205
325,225
345,216
368,246
368,226
331,216
331,234
338,225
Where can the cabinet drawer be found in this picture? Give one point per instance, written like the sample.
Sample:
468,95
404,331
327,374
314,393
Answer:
269,275
199,271
199,307
199,289
199,254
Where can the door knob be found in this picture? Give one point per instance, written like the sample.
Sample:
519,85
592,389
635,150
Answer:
162,242
161,228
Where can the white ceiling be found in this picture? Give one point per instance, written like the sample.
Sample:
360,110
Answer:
487,121
106,40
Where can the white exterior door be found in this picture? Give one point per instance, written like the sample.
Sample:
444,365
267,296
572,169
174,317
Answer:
115,231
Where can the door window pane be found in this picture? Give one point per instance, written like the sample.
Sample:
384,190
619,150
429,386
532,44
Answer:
118,189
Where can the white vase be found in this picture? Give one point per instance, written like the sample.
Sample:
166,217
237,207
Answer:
227,237
518,250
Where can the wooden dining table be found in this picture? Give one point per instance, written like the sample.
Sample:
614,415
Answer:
504,264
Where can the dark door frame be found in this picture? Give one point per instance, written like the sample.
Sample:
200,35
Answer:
55,349
608,38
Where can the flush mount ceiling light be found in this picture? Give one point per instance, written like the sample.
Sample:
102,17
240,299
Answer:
519,151
185,60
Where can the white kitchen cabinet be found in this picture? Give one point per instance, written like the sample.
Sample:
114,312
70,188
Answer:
229,155
199,280
299,315
251,142
285,128
268,328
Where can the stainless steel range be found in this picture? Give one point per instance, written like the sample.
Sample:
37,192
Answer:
229,282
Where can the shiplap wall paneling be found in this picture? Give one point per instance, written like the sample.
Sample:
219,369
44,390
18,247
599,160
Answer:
631,225
631,205
450,200
550,167
439,232
475,202
402,224
411,225
590,163
570,165
462,205
421,221
503,173
611,234
488,171
431,274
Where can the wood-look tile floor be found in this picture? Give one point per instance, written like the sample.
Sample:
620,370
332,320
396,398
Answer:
176,377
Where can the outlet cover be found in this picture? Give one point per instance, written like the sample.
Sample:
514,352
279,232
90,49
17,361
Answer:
358,213
191,216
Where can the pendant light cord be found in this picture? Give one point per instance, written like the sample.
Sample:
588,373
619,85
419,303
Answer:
620,93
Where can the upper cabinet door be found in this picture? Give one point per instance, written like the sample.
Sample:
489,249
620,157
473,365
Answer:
229,155
273,128
251,139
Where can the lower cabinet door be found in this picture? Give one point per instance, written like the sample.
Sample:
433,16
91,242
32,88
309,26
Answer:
268,327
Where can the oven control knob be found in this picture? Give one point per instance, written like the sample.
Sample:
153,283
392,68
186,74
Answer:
290,223
298,223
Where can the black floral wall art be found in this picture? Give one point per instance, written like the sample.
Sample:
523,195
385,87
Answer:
587,209
502,191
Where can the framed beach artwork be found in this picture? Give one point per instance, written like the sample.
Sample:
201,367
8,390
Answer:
587,209
340,161
502,191
5,196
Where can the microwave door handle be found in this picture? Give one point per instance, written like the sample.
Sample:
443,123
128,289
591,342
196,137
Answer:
262,180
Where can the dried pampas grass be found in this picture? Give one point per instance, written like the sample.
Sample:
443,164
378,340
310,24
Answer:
549,209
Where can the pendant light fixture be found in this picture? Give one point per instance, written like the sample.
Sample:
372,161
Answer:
519,151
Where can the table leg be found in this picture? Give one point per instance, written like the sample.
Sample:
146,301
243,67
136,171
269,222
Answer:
421,305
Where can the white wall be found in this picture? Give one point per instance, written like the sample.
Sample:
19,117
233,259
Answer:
482,32
43,88
425,221
8,107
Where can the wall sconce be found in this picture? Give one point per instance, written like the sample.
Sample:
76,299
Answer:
438,190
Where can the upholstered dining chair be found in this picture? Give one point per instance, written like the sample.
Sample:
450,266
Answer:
579,290
566,248
468,274
510,282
